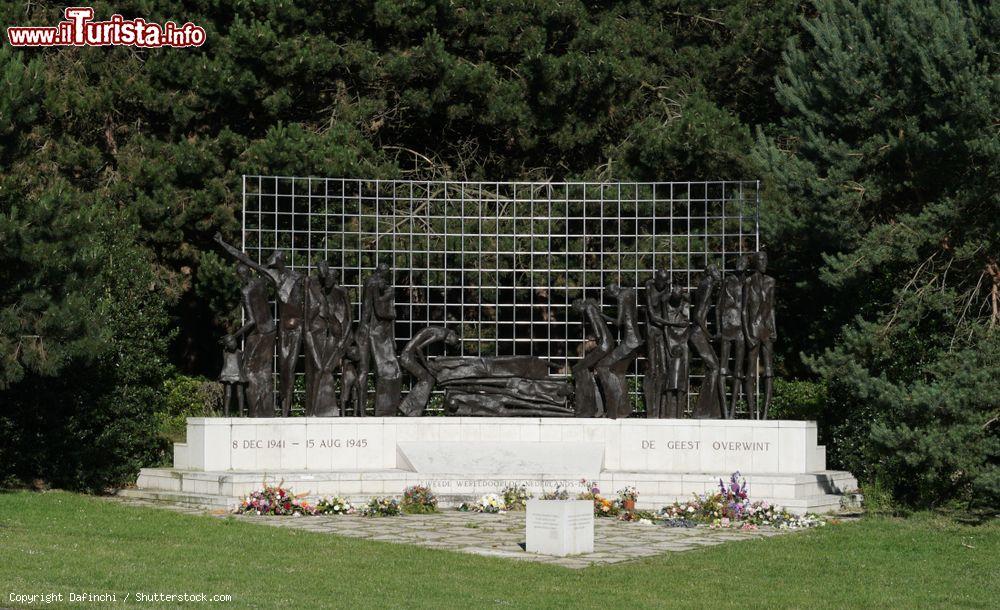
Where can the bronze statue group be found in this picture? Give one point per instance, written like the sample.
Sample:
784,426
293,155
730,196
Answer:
735,355
314,318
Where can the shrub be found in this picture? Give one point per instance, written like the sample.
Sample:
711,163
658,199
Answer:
186,396
798,399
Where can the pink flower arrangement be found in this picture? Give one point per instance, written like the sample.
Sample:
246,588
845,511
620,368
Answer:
275,500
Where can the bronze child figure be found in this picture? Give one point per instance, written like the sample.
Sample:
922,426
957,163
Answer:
232,377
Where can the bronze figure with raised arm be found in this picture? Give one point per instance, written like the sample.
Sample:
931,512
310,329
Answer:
288,285
258,334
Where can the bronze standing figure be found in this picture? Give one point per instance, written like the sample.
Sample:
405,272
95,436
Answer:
729,323
291,302
588,398
654,379
328,333
258,333
232,377
611,369
350,389
709,405
376,341
677,328
760,331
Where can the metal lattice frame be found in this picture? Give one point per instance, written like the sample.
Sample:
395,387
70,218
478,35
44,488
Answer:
501,262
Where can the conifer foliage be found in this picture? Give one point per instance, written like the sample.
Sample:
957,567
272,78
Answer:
886,166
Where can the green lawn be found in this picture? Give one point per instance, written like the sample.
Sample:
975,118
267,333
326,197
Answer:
61,542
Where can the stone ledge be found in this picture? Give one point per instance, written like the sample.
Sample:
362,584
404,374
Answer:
799,493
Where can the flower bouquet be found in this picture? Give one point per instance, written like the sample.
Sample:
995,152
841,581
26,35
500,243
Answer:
274,500
335,506
515,498
489,503
603,507
419,499
381,507
627,498
731,507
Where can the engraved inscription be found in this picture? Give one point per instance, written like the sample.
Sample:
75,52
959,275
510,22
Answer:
312,443
580,522
719,446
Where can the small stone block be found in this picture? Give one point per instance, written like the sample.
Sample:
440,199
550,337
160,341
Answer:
559,527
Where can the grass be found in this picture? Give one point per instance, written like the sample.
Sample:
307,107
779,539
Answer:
62,542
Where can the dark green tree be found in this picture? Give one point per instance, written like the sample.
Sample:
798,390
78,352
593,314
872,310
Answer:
886,214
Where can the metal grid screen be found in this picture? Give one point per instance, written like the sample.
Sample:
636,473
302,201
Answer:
501,262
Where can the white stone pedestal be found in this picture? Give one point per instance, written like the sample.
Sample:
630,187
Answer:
559,527
462,458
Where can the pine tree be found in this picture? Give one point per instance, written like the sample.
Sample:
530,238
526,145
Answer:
886,210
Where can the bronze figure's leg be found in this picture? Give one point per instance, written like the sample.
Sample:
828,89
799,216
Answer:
258,355
737,372
725,373
653,380
364,362
587,397
241,392
750,385
388,377
708,406
291,342
766,354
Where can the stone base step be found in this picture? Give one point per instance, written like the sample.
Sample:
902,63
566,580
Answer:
818,504
798,493
180,498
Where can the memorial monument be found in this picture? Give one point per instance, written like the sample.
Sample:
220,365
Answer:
555,406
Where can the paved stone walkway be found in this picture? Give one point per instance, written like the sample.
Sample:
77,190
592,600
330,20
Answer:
499,535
